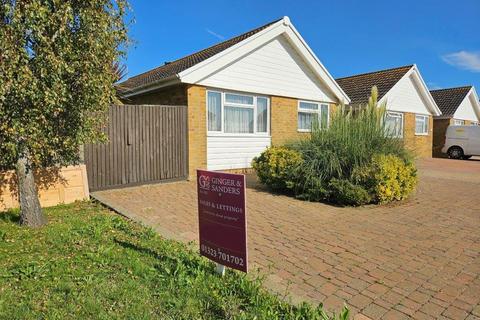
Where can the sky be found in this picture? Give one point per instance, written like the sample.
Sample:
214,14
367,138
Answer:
349,37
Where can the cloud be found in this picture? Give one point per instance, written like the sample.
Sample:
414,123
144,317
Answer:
464,60
216,35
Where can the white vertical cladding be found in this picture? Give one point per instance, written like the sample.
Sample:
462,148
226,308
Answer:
405,96
234,152
465,110
273,69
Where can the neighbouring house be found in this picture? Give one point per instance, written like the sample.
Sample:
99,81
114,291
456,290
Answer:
459,106
261,88
410,106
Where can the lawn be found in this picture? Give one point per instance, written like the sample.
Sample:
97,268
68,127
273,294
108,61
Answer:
90,263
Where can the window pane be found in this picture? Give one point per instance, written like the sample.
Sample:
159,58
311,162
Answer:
305,120
214,111
419,122
238,120
308,106
236,98
324,116
262,114
394,125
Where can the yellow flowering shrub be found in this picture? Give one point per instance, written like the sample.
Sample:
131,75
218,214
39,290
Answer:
388,178
275,167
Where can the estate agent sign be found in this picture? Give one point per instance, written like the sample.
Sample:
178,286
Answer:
222,218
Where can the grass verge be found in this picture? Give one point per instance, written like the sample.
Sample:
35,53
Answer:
89,263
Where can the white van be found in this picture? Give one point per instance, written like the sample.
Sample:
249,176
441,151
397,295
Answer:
462,142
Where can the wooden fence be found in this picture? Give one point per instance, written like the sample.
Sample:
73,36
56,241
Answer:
147,144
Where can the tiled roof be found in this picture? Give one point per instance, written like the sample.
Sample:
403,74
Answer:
448,100
177,66
359,87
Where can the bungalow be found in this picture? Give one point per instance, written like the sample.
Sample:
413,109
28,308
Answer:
410,106
459,106
260,88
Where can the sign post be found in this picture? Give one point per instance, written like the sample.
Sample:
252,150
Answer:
222,219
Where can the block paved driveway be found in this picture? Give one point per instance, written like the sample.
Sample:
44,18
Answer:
419,258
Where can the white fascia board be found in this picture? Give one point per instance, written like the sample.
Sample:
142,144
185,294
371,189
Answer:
202,70
418,81
473,97
475,101
426,93
320,70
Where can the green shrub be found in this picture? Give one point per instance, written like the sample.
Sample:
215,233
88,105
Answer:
387,177
276,167
331,156
346,193
354,161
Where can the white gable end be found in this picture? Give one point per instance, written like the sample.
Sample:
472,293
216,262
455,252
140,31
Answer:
272,69
465,110
405,96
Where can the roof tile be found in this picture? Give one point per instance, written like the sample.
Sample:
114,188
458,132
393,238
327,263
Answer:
177,66
359,87
448,100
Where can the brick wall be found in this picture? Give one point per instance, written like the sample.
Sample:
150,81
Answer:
421,145
73,186
439,130
197,129
284,120
172,96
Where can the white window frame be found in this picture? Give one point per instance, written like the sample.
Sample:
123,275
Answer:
239,105
396,114
318,112
458,122
427,124
475,123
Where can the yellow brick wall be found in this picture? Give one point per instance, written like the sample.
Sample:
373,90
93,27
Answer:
197,129
73,186
284,120
421,145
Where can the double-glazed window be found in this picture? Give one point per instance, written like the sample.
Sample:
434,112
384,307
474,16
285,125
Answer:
421,124
394,124
458,122
311,114
237,113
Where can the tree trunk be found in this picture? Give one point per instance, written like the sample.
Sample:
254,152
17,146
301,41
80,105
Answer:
31,214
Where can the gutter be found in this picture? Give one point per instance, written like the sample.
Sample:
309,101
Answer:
152,86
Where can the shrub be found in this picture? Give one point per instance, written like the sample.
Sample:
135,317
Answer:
331,156
276,167
346,193
387,177
354,161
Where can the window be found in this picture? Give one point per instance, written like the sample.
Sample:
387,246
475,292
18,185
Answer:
262,114
311,114
458,122
394,124
237,113
214,111
475,123
421,125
